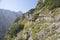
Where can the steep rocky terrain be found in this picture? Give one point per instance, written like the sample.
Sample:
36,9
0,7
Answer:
6,19
42,23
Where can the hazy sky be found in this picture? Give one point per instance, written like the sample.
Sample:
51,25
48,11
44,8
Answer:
18,5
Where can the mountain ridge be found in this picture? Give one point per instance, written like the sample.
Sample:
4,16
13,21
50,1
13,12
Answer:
7,18
43,23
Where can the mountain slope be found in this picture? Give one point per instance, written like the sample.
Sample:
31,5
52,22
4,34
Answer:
41,24
6,19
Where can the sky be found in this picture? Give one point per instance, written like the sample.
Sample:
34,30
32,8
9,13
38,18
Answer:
18,5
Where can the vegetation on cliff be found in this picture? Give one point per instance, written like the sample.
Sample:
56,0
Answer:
43,23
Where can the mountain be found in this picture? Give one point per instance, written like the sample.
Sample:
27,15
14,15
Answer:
40,23
6,19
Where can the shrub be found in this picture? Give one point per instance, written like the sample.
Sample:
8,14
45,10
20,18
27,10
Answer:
35,16
15,29
17,19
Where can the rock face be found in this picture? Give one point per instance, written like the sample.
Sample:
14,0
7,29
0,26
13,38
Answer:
6,19
41,24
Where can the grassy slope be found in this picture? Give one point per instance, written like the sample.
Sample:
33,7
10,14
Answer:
45,27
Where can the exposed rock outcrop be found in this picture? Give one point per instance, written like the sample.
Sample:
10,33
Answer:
43,24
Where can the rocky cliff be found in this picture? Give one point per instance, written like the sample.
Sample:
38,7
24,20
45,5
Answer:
42,23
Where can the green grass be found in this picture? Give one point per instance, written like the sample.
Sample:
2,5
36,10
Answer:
23,21
27,26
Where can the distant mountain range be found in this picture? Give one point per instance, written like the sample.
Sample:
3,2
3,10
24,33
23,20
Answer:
7,17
